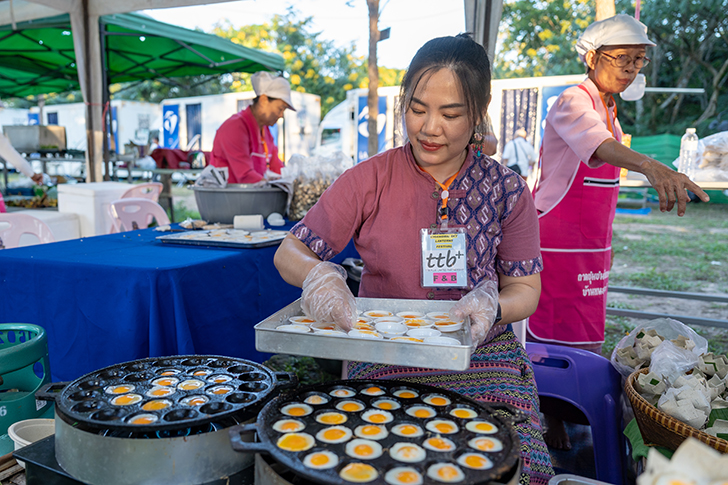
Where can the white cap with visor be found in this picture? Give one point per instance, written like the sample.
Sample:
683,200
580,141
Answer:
272,86
622,29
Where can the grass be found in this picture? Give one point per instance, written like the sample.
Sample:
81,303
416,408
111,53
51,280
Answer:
665,252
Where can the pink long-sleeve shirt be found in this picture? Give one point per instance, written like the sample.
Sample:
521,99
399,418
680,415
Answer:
573,131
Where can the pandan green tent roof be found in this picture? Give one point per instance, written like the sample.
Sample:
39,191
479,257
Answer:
38,56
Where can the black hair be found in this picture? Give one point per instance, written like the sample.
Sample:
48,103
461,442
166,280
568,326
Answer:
467,60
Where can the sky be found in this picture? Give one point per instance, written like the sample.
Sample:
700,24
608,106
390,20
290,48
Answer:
412,22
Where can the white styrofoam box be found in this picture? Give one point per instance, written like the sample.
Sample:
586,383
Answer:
91,202
64,226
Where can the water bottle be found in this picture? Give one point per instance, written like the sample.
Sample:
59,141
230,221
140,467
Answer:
688,153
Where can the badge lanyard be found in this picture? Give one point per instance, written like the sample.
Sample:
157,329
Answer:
611,125
265,148
444,249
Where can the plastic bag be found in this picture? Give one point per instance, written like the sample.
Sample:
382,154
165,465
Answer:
311,177
667,328
671,362
713,158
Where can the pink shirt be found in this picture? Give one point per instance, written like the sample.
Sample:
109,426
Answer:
238,146
383,203
575,127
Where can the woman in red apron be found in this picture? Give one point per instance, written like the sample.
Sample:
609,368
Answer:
576,194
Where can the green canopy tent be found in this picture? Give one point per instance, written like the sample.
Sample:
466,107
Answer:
40,56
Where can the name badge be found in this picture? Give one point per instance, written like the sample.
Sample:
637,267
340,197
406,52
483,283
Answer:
444,260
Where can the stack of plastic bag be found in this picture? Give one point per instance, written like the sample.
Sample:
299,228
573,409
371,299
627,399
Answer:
212,177
311,177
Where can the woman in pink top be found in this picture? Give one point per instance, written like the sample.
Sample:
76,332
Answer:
576,194
243,143
435,182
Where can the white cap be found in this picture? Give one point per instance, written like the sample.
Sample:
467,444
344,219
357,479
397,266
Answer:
622,29
273,87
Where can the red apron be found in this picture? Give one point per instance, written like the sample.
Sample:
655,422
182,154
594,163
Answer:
576,239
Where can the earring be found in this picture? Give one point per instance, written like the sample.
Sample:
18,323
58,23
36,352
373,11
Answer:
476,143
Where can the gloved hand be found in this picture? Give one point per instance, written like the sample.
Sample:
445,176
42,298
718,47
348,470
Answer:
271,175
481,304
326,297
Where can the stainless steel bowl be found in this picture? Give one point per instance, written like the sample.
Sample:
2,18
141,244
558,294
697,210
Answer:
223,204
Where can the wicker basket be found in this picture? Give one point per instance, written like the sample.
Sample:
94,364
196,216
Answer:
660,429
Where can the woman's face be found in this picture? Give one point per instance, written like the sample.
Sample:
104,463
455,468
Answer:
438,125
606,75
270,110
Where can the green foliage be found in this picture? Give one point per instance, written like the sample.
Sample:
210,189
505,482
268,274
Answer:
540,37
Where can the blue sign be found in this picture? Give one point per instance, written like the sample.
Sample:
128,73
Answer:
550,93
33,119
170,126
115,129
362,151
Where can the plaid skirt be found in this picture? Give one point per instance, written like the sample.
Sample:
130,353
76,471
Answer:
500,371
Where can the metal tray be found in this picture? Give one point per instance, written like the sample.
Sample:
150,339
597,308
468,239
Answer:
226,238
449,357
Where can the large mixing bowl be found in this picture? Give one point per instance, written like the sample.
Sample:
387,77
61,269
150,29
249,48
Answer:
223,204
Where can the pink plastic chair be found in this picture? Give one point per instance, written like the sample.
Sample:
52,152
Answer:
136,213
148,190
13,226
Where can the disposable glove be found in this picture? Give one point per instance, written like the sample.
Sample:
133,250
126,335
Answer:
481,304
326,297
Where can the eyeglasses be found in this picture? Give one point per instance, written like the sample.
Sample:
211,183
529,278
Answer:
624,61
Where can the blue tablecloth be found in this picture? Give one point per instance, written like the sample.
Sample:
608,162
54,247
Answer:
110,299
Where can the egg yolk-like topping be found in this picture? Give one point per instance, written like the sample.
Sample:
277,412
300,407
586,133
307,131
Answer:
331,418
165,381
463,413
422,413
334,434
287,426
408,429
160,391
408,452
169,373
373,391
143,419
387,405
342,393
363,450
439,444
202,372
319,459
156,405
477,462
406,394
409,316
371,430
314,399
126,399
119,389
439,401
296,411
350,406
377,418
374,314
191,385
358,472
219,390
194,400
448,473
481,427
486,444
445,428
305,320
295,442
220,379
445,323
408,477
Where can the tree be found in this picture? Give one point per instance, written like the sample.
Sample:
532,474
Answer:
540,36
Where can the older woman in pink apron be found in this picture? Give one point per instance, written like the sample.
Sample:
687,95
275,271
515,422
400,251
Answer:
576,194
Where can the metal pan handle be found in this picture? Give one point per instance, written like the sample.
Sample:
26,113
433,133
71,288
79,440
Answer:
516,415
286,380
50,391
237,442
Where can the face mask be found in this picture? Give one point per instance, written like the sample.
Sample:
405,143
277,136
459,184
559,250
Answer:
635,90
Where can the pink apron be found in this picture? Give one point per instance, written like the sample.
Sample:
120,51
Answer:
576,238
